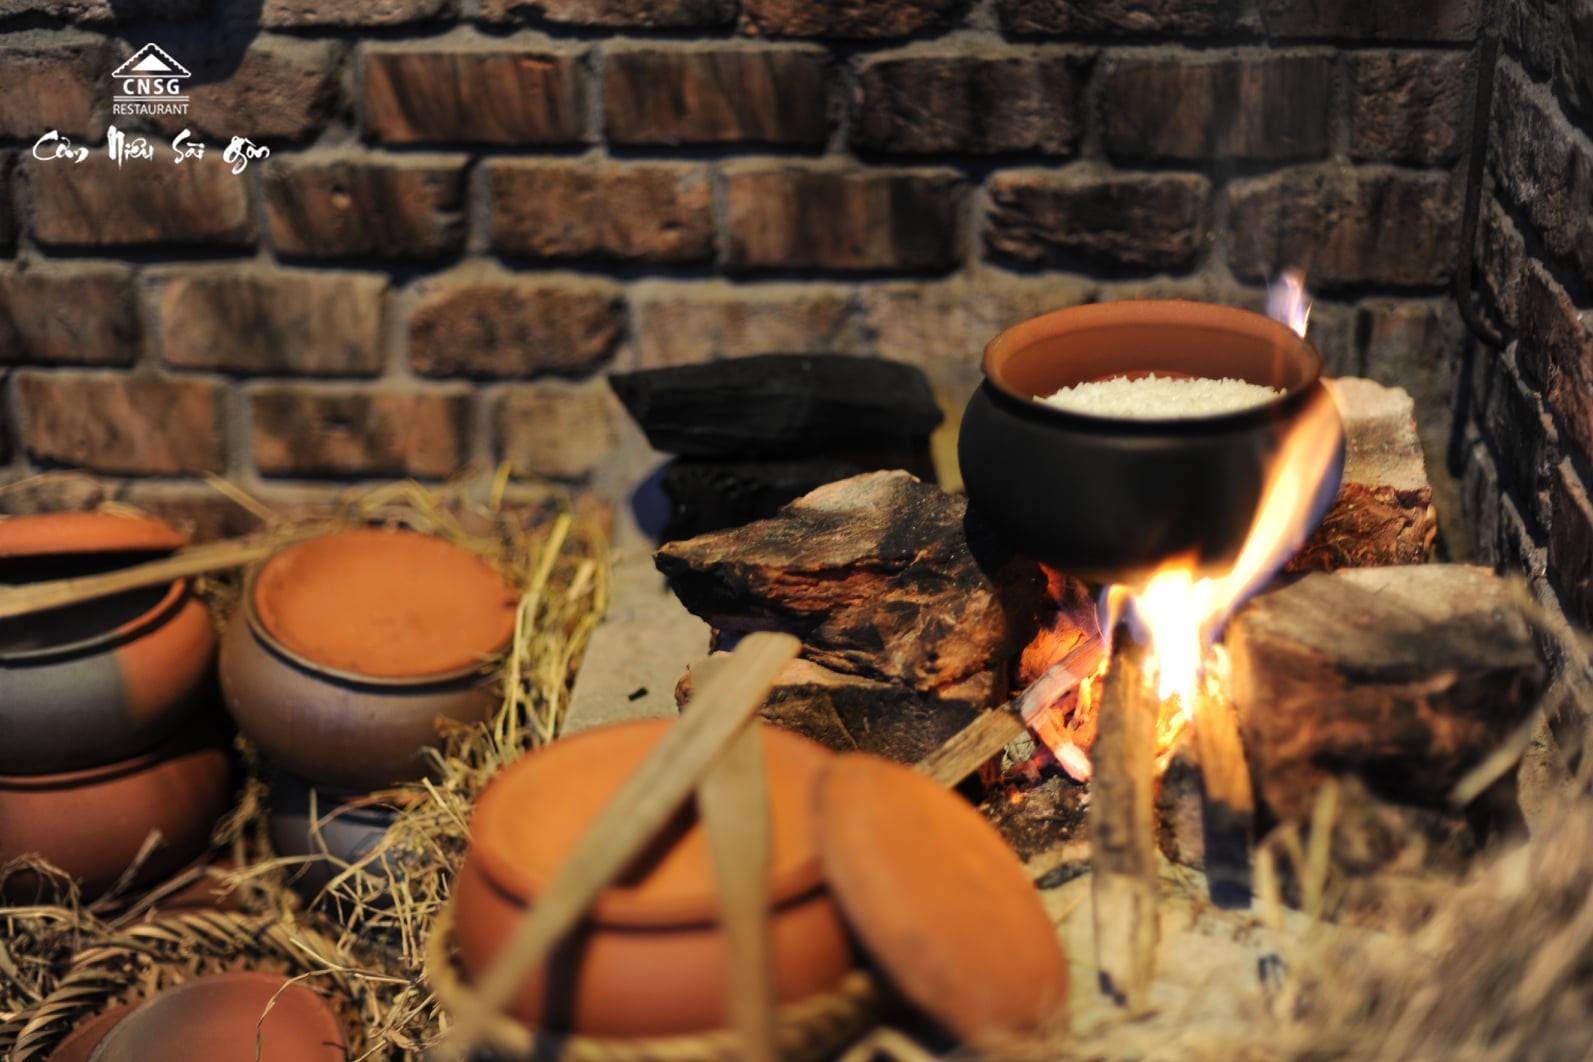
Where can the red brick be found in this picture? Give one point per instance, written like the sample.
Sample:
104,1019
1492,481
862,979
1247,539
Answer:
350,206
649,212
54,80
1571,543
95,203
201,512
1014,101
614,14
556,429
1408,106
1186,18
280,89
120,422
943,327
474,93
90,12
1521,431
1188,106
328,430
1356,20
299,13
1544,168
1343,226
1500,259
845,19
1570,394
719,94
69,315
514,327
1140,223
258,321
686,322
810,217
1551,328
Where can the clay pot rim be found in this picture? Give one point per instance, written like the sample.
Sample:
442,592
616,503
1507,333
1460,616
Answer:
1129,313
258,628
180,744
622,908
95,531
175,597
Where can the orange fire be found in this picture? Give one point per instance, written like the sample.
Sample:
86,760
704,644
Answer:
1177,615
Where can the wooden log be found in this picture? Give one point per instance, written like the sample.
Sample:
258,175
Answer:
1122,827
1404,677
1228,806
1383,514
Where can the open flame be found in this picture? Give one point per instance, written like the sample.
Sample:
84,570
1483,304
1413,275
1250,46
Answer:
1178,616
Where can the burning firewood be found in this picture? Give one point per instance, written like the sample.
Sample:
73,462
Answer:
1123,826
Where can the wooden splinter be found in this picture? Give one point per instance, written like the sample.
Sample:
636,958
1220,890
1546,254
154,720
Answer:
1228,807
1123,827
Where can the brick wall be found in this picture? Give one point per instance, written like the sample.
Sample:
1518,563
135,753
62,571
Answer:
1526,416
472,209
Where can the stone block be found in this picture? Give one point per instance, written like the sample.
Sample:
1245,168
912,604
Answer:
1363,20
687,322
301,14
613,14
1571,543
1119,18
844,19
279,90
54,80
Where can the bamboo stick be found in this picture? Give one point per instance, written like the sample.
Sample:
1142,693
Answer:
1123,827
658,788
194,560
1228,804
965,751
733,801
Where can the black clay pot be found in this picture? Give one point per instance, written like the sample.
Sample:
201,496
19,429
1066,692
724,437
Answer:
1109,499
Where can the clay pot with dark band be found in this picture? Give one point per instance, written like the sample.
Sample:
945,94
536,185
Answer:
347,649
92,823
94,683
1109,499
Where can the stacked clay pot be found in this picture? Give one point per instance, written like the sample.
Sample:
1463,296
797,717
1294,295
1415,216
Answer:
104,733
341,659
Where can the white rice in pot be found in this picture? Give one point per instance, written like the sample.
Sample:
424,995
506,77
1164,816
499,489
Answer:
1160,397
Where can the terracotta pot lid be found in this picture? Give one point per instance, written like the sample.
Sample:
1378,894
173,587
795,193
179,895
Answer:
385,603
64,534
77,1045
216,1018
532,815
939,900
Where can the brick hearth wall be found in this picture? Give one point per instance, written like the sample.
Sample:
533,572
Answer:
473,209
1526,414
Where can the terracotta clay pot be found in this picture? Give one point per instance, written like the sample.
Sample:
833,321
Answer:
1109,499
347,649
79,1044
334,830
651,958
94,683
92,823
225,1018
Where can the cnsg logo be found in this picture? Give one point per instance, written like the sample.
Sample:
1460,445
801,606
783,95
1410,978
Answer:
151,82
